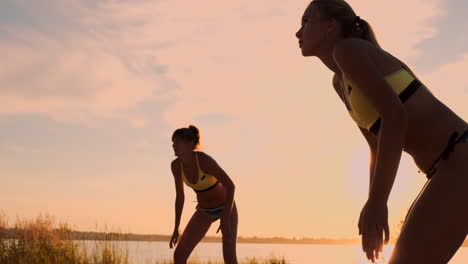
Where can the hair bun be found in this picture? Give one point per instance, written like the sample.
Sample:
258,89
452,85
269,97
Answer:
195,130
357,20
190,133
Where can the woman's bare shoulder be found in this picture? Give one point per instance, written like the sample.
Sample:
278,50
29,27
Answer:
175,166
203,158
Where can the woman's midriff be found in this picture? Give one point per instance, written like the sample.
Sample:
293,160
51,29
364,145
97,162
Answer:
430,125
212,198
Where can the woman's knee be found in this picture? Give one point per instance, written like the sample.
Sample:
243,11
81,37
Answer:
180,255
229,239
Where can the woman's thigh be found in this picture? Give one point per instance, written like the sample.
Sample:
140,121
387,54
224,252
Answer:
195,230
438,222
229,238
231,233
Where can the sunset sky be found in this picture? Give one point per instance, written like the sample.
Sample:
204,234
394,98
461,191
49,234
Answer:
91,91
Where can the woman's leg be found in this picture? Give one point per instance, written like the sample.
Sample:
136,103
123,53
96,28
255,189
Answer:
229,238
438,222
193,233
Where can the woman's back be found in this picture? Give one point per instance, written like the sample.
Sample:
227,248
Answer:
430,122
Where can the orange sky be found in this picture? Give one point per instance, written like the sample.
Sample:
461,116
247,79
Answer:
92,92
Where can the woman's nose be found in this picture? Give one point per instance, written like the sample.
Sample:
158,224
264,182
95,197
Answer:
299,33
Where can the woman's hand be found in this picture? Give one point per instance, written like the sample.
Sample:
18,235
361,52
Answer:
373,226
174,239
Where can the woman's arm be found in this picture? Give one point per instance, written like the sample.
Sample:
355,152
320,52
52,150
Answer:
372,141
370,138
212,167
353,59
180,197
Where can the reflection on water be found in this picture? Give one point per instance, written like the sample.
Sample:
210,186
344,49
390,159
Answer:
387,252
144,252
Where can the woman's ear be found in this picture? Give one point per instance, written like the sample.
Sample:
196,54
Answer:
332,26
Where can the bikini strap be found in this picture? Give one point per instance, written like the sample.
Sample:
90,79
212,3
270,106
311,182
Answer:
196,159
450,145
403,65
453,140
182,169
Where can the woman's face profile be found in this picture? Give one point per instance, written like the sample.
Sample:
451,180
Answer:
181,146
312,32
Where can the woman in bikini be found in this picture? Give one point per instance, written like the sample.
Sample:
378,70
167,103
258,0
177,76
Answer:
215,195
395,112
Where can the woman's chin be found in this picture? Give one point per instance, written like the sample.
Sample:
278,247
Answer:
306,53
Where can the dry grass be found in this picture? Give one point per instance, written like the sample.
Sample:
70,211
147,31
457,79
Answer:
41,241
270,260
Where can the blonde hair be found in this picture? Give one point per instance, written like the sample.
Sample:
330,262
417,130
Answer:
352,25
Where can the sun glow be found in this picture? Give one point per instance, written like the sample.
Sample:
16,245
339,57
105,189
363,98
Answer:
384,258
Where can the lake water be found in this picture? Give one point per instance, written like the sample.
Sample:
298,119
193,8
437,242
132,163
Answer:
145,252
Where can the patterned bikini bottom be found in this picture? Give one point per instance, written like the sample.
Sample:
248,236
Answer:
453,141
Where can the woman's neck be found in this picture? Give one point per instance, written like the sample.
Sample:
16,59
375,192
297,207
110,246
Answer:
326,56
188,157
328,60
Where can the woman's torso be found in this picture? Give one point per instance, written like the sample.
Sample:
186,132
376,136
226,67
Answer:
430,125
193,172
430,122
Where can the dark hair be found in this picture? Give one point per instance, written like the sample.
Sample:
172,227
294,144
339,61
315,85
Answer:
352,25
190,133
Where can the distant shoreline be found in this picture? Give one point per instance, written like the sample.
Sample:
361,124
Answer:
78,235
81,235
211,239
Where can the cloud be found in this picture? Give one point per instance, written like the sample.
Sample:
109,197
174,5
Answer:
450,85
85,59
401,25
449,44
89,68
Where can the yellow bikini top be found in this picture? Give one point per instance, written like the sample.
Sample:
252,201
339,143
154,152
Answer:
359,107
204,182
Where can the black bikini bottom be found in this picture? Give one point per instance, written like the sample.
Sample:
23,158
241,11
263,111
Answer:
453,140
214,213
409,90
